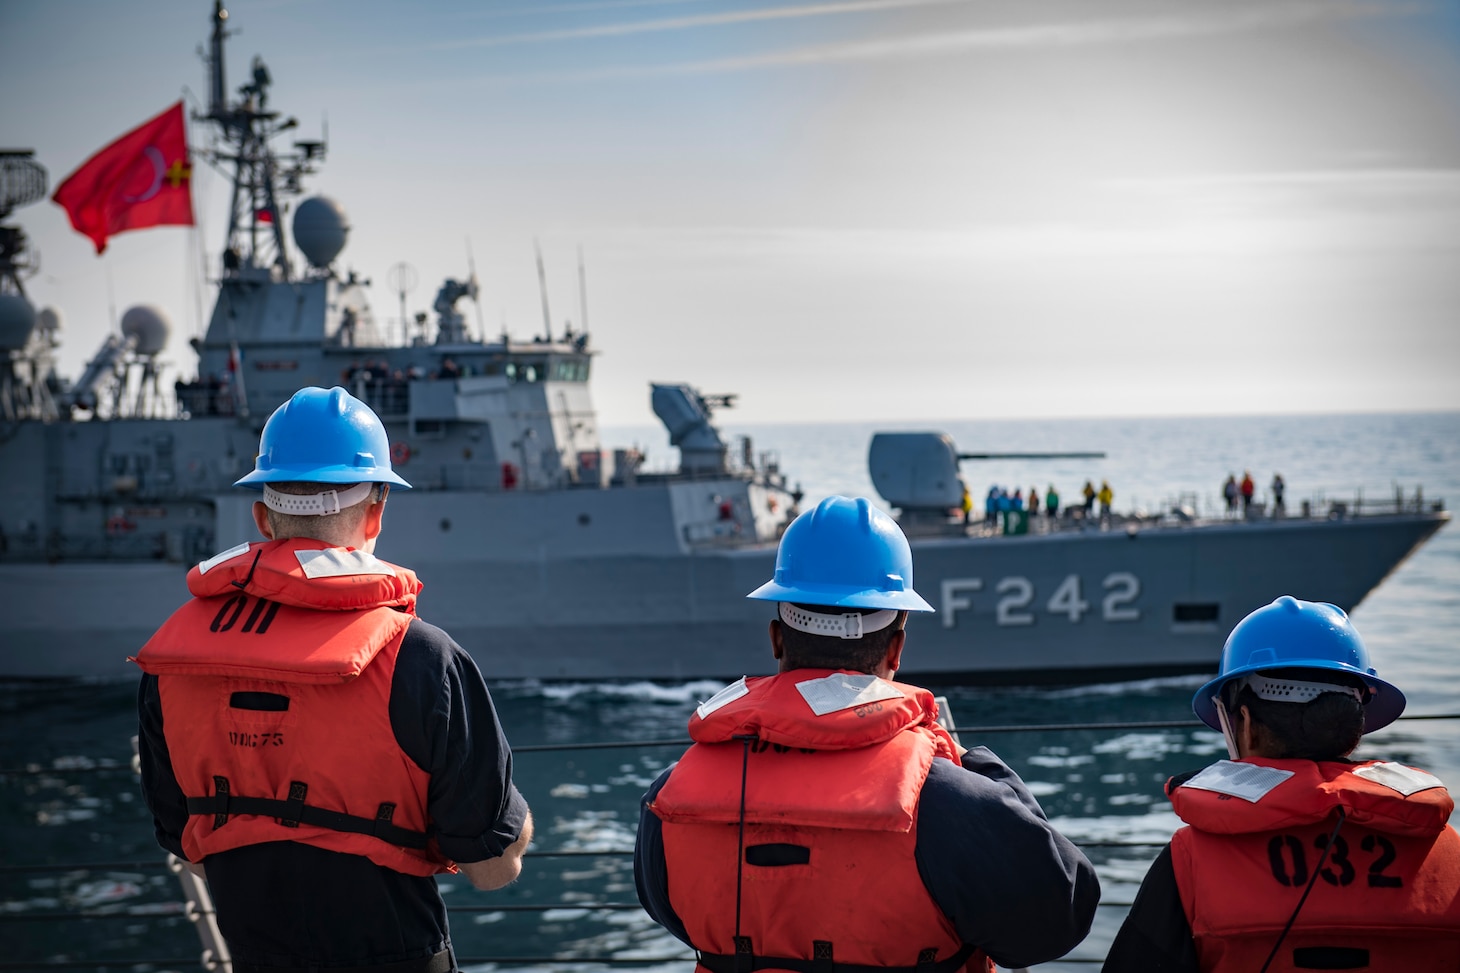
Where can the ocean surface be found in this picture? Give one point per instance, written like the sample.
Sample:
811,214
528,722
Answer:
74,837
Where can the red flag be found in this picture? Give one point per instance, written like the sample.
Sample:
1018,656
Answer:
142,179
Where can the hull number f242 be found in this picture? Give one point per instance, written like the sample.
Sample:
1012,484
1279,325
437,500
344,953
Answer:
1015,602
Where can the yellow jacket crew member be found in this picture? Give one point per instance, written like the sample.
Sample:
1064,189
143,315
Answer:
308,744
824,821
1294,856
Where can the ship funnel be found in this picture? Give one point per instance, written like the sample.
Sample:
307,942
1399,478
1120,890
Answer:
148,327
17,320
320,229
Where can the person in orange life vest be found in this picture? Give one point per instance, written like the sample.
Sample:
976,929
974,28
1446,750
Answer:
308,745
822,819
1295,856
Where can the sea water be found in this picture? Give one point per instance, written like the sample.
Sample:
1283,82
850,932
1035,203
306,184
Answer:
69,801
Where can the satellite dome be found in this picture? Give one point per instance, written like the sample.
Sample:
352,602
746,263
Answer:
320,228
50,320
149,326
17,318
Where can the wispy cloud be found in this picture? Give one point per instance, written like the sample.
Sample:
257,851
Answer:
1389,189
1039,36
692,22
542,10
1382,210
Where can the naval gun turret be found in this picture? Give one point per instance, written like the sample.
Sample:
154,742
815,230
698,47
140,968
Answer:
686,414
917,472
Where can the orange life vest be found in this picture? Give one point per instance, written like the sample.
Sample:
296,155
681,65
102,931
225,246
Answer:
275,688
830,826
1386,898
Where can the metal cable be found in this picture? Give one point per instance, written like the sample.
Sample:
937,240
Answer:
685,741
455,909
612,853
193,961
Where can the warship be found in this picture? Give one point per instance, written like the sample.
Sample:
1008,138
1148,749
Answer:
544,553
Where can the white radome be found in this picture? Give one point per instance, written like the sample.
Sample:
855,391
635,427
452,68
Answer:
50,320
148,324
17,318
320,229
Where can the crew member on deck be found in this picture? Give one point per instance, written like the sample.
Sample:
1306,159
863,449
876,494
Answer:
1294,856
317,749
822,820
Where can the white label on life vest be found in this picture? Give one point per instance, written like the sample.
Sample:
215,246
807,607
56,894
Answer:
205,566
729,694
1248,781
1405,780
336,562
842,690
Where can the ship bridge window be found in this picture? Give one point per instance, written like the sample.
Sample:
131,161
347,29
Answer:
570,370
526,371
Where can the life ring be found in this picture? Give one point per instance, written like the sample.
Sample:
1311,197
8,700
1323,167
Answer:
400,454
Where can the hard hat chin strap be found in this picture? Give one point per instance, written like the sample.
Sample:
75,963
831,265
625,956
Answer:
315,504
1225,722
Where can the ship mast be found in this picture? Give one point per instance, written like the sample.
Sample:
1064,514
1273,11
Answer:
259,174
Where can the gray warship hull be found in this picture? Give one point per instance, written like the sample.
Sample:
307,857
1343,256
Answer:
1068,605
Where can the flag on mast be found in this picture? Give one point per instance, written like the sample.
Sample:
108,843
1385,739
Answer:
142,179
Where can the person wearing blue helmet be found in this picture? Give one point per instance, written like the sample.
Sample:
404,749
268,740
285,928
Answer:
308,744
823,820
1295,856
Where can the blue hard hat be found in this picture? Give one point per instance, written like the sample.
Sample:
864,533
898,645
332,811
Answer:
323,436
1293,634
845,553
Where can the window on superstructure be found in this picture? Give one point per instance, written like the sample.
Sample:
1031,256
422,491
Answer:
570,370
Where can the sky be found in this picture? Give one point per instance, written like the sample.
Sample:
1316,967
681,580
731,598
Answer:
839,209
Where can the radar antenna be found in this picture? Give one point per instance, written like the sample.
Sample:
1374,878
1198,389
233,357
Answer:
582,294
547,319
22,181
476,294
402,278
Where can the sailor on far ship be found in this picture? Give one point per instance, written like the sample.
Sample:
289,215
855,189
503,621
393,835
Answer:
1294,856
824,820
